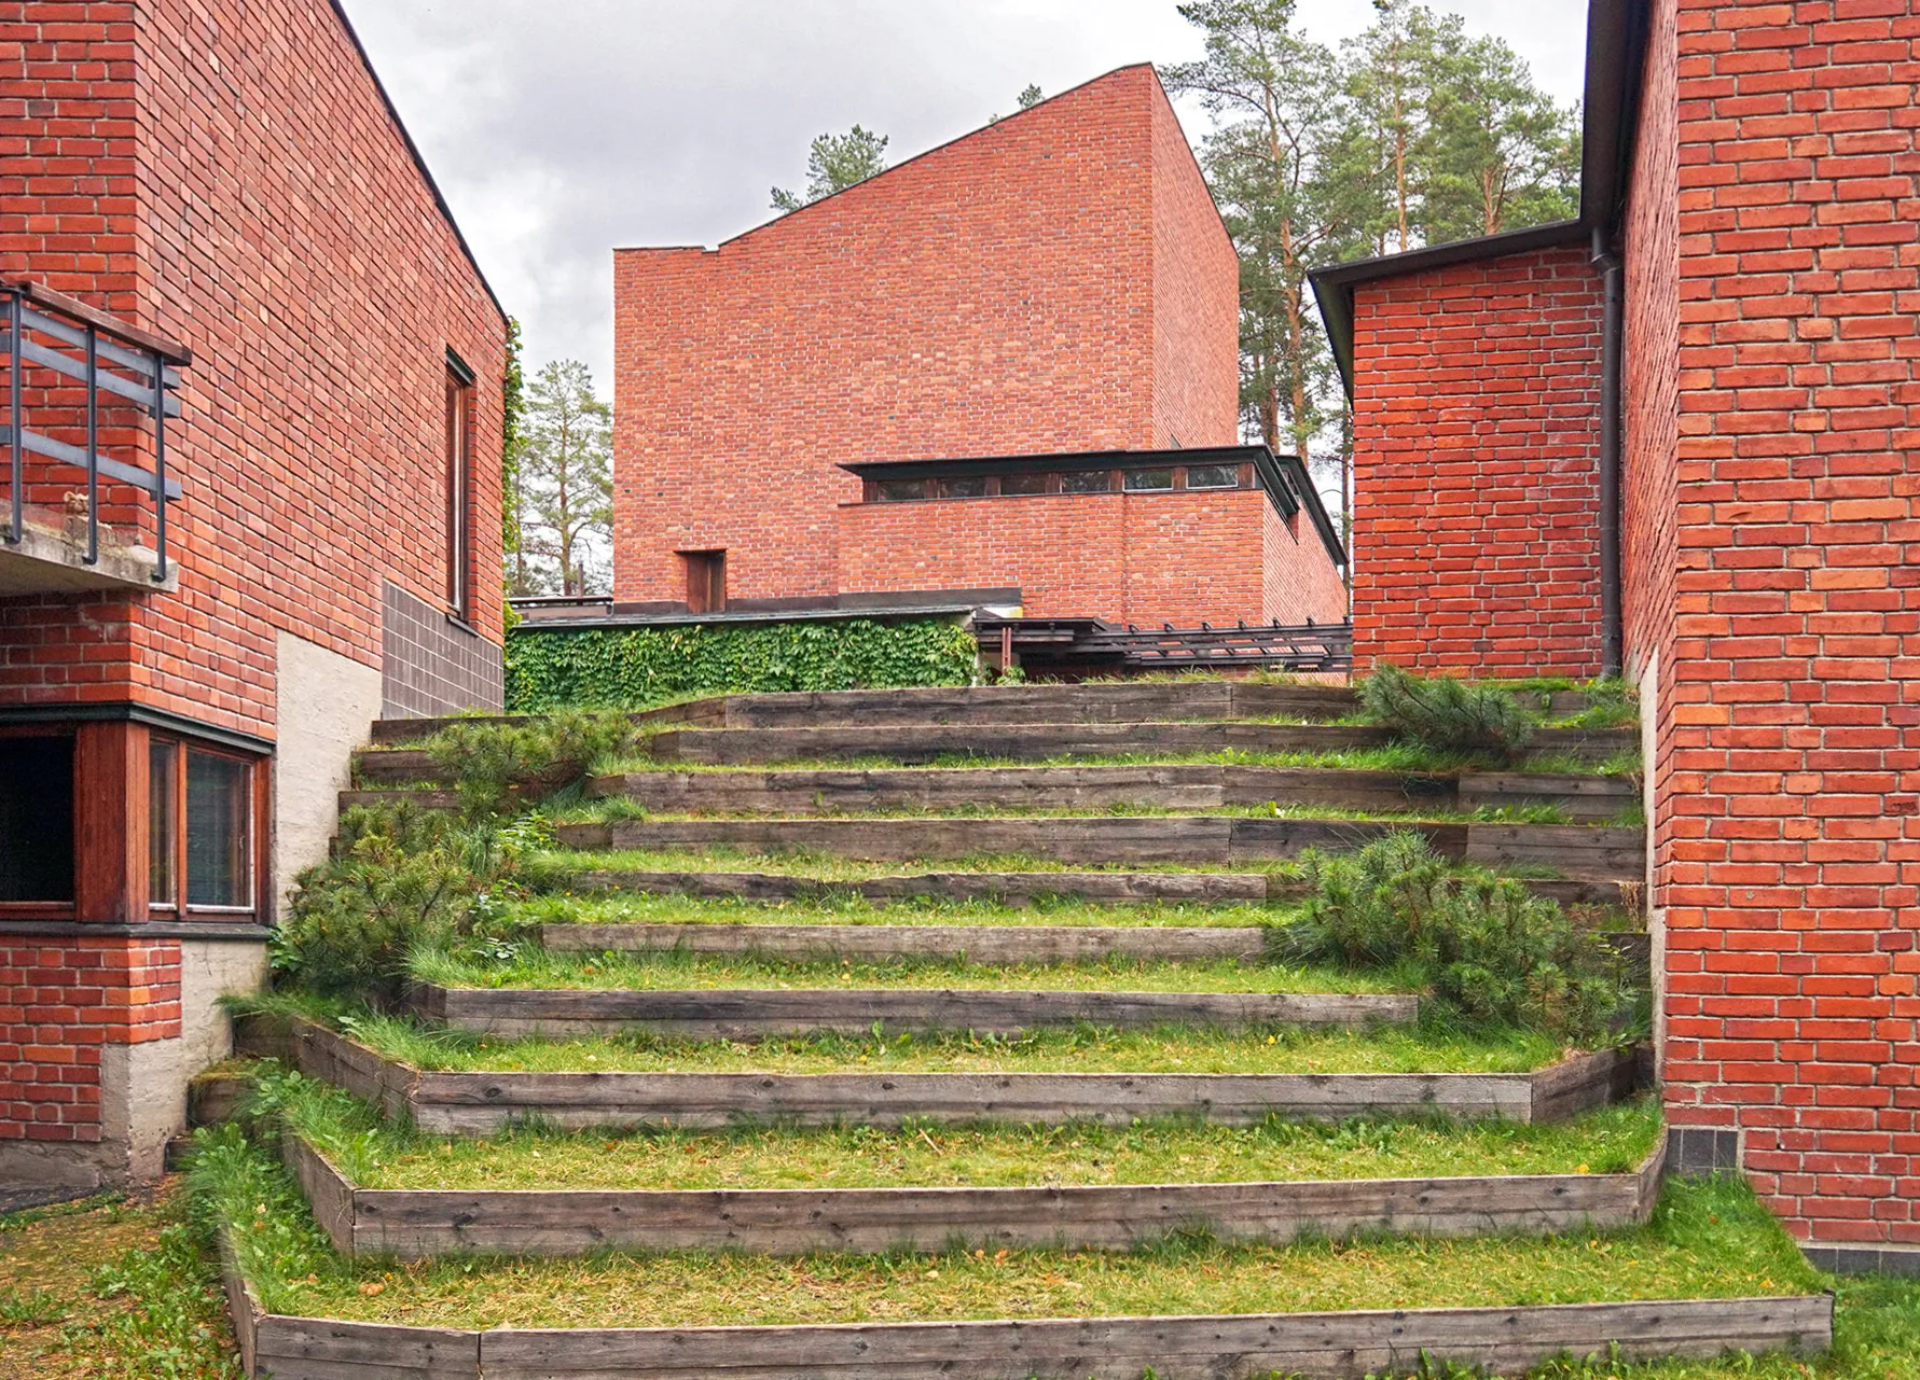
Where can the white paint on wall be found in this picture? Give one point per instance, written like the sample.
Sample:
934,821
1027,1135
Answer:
327,705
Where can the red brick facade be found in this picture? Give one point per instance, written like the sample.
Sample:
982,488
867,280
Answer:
1476,467
1059,281
1792,912
229,176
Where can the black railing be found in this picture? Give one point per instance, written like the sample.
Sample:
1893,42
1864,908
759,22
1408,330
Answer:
51,331
1098,644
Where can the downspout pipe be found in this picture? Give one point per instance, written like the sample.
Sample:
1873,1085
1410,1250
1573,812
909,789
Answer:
1612,332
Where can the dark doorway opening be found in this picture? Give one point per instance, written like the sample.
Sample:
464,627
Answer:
706,581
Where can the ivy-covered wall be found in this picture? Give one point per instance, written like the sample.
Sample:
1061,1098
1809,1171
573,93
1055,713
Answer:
633,668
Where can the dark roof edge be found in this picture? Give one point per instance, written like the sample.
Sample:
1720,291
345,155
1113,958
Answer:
1616,45
419,159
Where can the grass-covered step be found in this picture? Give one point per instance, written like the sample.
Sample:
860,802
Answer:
919,744
1576,852
453,1083
1710,1272
1579,798
786,1191
719,1013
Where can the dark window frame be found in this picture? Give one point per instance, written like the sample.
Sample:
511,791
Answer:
459,486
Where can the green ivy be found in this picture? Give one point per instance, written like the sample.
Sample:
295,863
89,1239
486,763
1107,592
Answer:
632,668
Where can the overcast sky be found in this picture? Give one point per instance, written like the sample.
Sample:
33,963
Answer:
559,129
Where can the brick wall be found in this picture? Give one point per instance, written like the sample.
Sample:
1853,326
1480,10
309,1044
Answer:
253,198
1476,455
95,992
1300,580
1002,294
1792,910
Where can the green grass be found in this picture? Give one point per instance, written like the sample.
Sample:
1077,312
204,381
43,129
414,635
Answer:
1166,1049
557,868
677,970
1707,1240
616,809
1614,1140
852,909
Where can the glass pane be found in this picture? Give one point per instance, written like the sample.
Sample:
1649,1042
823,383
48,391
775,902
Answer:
1086,482
36,819
219,831
1023,483
1213,477
902,490
973,486
163,825
1149,479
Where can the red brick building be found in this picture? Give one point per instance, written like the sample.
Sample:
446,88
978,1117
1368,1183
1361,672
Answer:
1058,285
194,635
1717,399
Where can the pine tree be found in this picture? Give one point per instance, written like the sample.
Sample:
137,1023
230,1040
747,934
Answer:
836,162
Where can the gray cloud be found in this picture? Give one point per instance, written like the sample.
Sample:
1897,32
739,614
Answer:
563,128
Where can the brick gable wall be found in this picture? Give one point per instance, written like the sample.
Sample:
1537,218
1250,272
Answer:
1058,281
1476,395
1792,910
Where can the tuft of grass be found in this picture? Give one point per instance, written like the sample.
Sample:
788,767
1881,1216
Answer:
849,908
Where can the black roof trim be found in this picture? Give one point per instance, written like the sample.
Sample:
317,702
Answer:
419,159
1616,44
1283,477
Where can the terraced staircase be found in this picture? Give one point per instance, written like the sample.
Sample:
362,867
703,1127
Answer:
864,1062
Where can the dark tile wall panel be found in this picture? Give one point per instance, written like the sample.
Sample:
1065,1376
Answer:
432,666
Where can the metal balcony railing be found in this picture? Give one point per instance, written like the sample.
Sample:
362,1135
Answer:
51,337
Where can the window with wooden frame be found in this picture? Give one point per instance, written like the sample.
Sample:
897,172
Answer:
459,488
706,581
203,830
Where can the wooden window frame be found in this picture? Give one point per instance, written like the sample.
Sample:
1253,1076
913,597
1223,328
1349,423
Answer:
459,479
258,823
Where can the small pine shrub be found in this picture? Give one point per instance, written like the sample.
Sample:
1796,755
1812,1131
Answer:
400,877
488,760
1444,714
1486,945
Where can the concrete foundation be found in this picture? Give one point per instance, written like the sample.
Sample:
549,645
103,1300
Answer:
327,705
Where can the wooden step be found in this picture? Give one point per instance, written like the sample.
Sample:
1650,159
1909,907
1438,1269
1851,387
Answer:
1580,852
1315,1346
1019,888
482,1103
422,1224
756,1013
971,943
1585,799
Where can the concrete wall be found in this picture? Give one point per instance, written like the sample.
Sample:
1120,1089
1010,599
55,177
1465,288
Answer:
327,704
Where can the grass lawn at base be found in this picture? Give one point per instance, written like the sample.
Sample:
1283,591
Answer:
1083,1049
112,1289
1613,1140
1707,1240
679,970
635,909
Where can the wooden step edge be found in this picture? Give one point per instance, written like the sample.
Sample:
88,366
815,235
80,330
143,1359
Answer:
974,943
425,1224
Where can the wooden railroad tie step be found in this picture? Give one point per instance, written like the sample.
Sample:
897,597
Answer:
973,943
745,1014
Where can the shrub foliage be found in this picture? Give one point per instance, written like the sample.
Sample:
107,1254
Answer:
1486,945
1445,714
634,668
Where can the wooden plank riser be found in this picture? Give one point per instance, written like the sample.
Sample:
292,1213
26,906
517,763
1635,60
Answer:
974,943
1328,1346
736,1014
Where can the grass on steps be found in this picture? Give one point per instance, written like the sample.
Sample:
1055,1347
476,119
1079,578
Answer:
378,1155
1077,1049
680,970
615,809
1707,1240
854,910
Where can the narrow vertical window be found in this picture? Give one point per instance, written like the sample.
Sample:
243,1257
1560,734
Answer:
219,831
459,488
163,825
